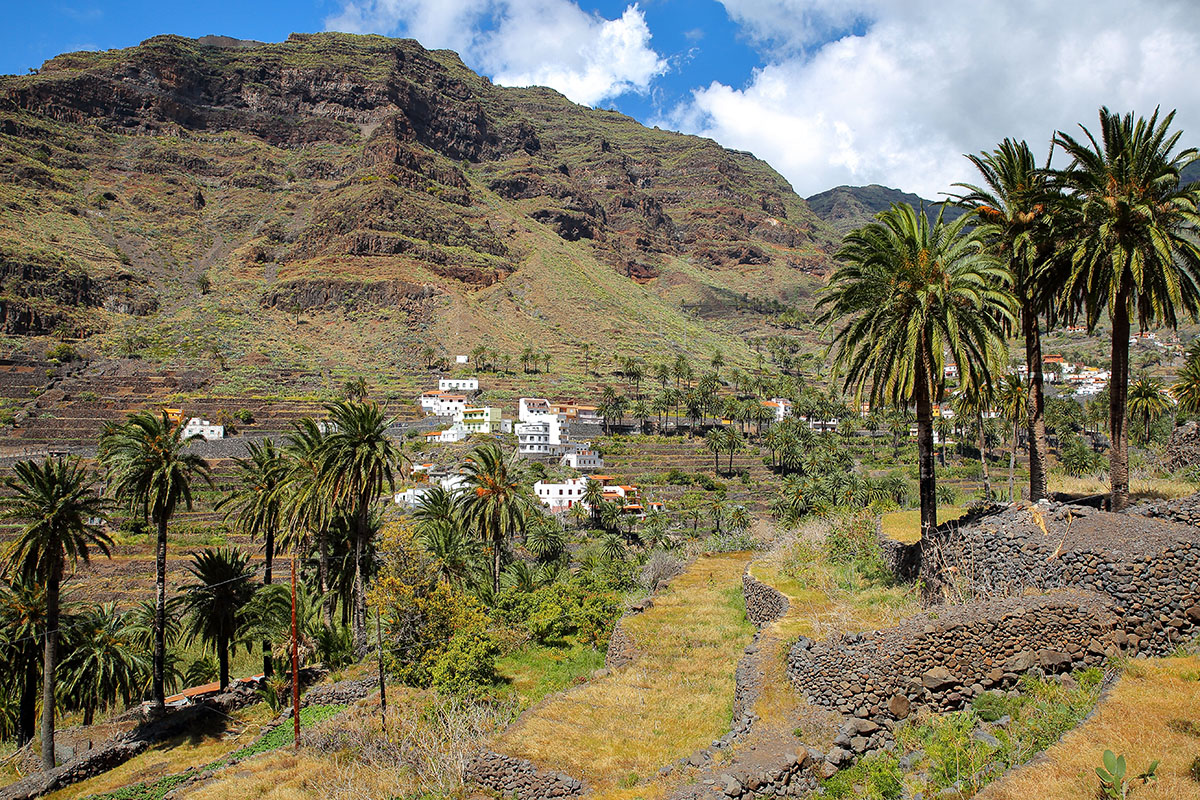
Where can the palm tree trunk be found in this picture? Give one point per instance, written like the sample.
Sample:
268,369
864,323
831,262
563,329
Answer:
327,597
1118,392
987,480
223,660
1036,422
269,547
50,662
158,696
930,574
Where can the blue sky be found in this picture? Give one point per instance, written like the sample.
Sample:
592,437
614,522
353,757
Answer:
827,91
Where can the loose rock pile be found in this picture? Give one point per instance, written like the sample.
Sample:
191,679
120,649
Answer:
944,658
1149,567
795,777
1185,510
764,603
516,777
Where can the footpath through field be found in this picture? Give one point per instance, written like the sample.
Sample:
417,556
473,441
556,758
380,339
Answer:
675,697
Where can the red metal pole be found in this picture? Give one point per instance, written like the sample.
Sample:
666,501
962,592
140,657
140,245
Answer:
295,663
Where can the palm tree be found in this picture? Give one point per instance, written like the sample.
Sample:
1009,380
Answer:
733,442
593,495
224,583
103,663
355,388
254,506
1135,248
498,500
943,426
973,402
1186,389
1013,400
714,440
22,620
912,290
356,462
303,504
59,513
1149,400
739,519
1016,208
641,412
150,470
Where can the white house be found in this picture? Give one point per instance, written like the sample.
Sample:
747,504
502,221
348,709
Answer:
781,407
560,496
541,430
460,359
203,428
950,370
451,482
458,385
455,433
582,459
443,404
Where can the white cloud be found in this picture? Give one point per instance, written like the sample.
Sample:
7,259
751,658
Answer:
923,82
552,43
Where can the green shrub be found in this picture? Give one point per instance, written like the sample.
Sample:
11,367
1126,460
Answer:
991,706
62,353
467,666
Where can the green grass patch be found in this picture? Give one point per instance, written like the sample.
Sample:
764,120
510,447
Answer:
534,671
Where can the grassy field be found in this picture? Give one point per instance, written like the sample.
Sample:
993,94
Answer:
674,699
905,526
1150,714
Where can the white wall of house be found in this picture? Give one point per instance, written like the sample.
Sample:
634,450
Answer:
202,427
458,385
582,460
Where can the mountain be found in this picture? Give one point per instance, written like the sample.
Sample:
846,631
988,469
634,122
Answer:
845,208
848,207
242,201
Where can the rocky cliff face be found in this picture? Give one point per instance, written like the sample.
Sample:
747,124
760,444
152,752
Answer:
359,160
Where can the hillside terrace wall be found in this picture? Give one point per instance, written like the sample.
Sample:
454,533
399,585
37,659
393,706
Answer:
516,777
1149,567
764,603
943,658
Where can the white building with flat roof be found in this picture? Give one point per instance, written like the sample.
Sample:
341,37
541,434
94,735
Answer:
458,385
204,429
443,404
582,459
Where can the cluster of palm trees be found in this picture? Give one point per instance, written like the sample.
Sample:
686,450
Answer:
1113,233
491,360
315,493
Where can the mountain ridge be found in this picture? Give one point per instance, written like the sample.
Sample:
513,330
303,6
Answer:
334,172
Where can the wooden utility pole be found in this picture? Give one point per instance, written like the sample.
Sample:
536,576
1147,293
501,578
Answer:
295,664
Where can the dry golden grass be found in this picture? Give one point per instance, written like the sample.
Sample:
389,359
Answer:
905,526
177,755
1133,720
821,605
1139,488
674,699
285,775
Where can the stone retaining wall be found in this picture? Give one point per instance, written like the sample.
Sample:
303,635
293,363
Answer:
944,658
1185,510
764,603
1149,567
516,777
620,647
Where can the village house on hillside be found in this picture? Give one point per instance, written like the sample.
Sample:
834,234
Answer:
204,429
442,404
458,385
559,497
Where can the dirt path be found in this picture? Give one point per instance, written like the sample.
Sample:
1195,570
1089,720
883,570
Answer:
618,731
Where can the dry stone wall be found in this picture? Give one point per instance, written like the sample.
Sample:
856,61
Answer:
764,603
942,659
1148,566
516,777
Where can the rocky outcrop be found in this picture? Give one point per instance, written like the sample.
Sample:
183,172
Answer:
332,293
